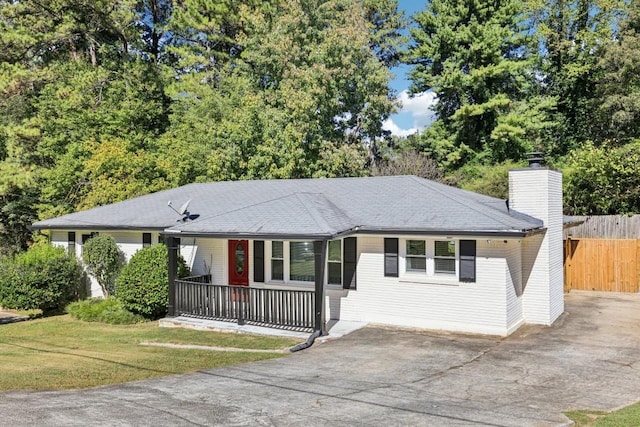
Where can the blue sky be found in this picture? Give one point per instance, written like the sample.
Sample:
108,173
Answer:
415,113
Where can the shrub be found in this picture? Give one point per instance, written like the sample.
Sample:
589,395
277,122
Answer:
44,278
143,284
104,260
109,310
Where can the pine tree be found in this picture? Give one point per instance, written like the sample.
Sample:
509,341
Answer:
473,55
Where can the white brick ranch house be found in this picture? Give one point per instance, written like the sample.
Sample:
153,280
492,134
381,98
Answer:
397,250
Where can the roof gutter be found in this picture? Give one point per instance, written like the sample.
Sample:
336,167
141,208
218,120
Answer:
95,227
360,230
469,233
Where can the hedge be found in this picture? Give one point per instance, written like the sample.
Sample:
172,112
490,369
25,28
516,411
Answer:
44,277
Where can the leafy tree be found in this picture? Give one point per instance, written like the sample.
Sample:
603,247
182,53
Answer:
619,87
16,215
306,97
491,180
473,55
571,36
143,284
603,180
104,260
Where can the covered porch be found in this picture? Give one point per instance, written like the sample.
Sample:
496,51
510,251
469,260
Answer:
234,295
288,309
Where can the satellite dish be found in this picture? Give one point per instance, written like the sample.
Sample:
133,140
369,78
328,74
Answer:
184,207
183,211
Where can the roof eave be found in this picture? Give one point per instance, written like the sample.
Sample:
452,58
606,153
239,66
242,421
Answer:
248,235
440,232
356,230
94,227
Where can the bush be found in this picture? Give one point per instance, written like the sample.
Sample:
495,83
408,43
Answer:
104,260
109,310
143,284
44,278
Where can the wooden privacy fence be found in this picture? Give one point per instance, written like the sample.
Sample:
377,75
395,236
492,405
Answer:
602,264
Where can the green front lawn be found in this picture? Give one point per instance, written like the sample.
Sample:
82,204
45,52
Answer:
61,353
629,416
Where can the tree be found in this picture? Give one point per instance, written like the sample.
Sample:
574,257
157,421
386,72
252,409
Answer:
603,180
386,24
409,162
571,37
619,87
104,260
306,96
473,56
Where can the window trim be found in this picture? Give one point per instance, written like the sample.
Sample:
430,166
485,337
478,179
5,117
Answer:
430,273
415,256
290,259
340,262
286,260
454,258
272,259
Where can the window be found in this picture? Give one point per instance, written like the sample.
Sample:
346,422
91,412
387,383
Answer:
71,242
302,261
277,260
146,240
334,262
416,256
445,257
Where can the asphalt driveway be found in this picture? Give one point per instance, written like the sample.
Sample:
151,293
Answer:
379,376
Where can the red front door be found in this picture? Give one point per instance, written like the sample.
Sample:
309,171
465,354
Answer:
239,262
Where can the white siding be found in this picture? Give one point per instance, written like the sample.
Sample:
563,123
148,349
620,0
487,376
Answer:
129,243
513,254
429,302
538,192
211,258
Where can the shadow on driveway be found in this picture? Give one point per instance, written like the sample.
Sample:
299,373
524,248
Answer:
384,376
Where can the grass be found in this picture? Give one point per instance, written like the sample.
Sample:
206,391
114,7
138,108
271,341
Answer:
63,353
628,416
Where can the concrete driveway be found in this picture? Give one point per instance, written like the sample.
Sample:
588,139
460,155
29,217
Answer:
379,376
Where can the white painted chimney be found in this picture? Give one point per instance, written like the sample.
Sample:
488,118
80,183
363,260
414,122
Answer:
537,191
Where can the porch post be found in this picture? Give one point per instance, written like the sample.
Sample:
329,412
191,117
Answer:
320,254
172,246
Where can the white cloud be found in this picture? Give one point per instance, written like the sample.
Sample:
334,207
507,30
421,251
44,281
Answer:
390,125
419,109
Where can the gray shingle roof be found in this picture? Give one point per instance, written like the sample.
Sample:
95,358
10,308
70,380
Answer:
310,207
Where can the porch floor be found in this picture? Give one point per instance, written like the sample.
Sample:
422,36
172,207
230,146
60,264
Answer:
335,328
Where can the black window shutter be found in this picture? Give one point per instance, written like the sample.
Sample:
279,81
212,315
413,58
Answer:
391,257
349,262
71,242
146,240
258,260
467,260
